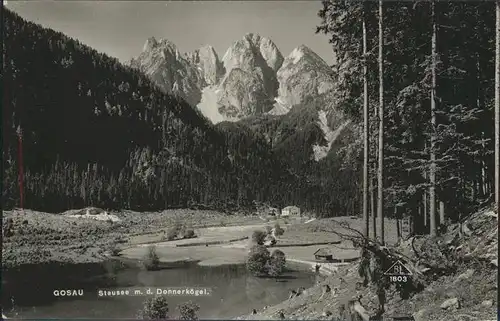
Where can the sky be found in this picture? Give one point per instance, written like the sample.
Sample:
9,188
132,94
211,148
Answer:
120,28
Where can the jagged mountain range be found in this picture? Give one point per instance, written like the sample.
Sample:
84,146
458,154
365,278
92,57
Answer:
252,78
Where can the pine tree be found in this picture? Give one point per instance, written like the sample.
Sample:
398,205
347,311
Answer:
432,173
497,107
380,194
366,131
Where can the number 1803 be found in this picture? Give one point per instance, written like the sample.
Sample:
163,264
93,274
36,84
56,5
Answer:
398,278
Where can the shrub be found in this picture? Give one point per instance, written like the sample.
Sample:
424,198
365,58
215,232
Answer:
258,237
155,308
257,260
151,261
189,234
172,234
268,229
8,227
276,263
188,311
114,250
279,255
278,230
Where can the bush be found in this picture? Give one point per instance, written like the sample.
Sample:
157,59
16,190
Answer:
188,311
278,230
155,308
268,229
172,234
8,227
257,260
189,234
114,250
258,237
276,263
151,261
278,255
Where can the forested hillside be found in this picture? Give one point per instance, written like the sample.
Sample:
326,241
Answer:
293,138
98,133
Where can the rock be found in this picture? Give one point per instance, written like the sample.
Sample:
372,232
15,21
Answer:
303,75
466,229
254,311
208,63
325,288
243,94
487,303
491,213
251,52
464,276
327,313
250,84
450,303
162,62
300,290
494,262
420,315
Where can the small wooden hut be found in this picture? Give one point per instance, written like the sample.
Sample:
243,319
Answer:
323,255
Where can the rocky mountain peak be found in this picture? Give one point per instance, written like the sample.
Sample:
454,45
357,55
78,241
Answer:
207,61
251,51
251,77
257,59
304,54
150,44
170,70
252,37
303,75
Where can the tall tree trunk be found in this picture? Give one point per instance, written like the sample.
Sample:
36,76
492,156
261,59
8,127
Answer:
373,206
21,167
424,197
441,212
373,180
484,178
497,108
366,163
432,173
380,194
398,224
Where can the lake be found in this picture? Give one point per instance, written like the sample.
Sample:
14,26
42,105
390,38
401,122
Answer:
233,291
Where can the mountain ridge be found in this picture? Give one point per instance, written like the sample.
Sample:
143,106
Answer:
266,81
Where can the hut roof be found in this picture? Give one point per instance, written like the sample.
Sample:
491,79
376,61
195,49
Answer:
323,252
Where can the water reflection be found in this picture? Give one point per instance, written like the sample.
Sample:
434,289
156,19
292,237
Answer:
234,292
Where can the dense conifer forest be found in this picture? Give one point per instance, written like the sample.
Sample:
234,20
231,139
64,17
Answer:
437,87
96,132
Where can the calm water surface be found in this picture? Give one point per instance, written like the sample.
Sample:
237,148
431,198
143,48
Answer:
234,292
